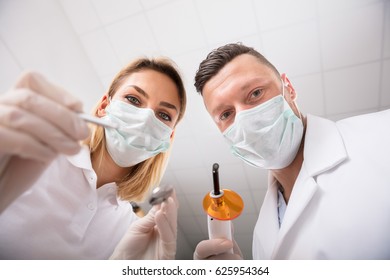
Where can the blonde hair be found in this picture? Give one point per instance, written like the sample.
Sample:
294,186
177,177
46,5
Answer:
148,173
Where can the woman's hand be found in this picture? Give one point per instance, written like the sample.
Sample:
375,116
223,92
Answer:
38,120
153,236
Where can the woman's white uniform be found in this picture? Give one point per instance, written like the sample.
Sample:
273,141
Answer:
340,204
63,216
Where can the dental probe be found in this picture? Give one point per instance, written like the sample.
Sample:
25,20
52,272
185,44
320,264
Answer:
98,121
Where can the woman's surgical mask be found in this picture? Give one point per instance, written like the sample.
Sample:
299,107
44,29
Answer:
140,134
266,136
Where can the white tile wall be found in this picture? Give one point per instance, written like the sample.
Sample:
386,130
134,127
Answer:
132,37
346,86
10,68
310,93
213,148
149,4
336,54
109,11
386,31
226,20
294,49
81,15
185,154
100,52
385,92
249,207
347,39
45,41
273,14
176,27
232,176
329,7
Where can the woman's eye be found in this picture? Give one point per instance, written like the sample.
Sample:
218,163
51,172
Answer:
165,117
133,100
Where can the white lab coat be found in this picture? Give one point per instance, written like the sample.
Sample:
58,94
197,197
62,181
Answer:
64,216
340,204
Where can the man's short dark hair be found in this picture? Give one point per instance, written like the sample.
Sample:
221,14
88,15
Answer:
219,57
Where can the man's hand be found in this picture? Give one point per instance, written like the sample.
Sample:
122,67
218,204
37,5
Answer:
217,249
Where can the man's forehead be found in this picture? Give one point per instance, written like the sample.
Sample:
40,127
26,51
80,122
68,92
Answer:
241,69
244,64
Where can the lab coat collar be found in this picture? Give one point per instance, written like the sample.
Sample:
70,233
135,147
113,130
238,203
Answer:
324,148
83,160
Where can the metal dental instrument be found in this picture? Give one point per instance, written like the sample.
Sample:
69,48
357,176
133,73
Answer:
98,121
160,194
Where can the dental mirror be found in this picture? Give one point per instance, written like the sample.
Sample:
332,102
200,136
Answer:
160,193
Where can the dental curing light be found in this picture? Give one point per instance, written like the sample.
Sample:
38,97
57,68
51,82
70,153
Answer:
221,206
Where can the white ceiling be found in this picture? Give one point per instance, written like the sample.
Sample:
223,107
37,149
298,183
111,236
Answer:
335,52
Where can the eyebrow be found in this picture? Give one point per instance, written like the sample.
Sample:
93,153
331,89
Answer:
140,90
218,109
168,105
162,103
249,83
245,87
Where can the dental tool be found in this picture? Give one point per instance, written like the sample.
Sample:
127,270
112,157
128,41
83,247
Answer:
221,206
97,121
160,194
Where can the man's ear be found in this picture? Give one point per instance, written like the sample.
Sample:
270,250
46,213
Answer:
290,88
101,109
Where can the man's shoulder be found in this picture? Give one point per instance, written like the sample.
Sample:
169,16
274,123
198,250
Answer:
375,118
368,130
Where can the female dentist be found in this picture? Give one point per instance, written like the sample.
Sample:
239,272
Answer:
63,200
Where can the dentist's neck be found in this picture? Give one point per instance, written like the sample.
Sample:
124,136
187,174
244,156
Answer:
107,171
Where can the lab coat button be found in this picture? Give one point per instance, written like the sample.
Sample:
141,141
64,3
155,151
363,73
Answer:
91,206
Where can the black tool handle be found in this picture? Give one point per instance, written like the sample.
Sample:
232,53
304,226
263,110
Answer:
217,189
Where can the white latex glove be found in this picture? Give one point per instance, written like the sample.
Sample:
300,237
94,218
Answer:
151,237
217,249
37,121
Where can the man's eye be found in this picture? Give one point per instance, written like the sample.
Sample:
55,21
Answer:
256,93
225,115
133,100
165,117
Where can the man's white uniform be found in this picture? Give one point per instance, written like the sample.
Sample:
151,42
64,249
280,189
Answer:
340,204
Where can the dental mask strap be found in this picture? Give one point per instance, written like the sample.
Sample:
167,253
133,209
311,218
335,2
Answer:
266,136
140,134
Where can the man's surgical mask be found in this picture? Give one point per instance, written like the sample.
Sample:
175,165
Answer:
266,136
140,134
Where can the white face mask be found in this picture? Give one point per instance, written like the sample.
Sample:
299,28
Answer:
140,134
266,136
